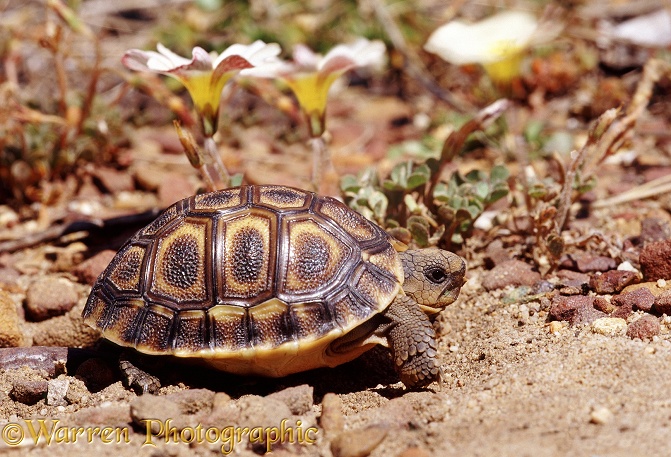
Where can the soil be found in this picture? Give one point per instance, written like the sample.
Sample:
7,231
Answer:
536,361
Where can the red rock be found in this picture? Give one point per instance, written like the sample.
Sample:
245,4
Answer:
588,263
511,272
612,281
28,392
644,328
655,260
88,271
603,305
174,187
50,296
576,309
114,181
50,359
572,278
654,229
623,311
662,303
638,299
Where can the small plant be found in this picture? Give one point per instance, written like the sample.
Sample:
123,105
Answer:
416,206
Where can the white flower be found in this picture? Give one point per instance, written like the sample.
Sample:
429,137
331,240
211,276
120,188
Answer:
496,42
205,74
487,41
310,75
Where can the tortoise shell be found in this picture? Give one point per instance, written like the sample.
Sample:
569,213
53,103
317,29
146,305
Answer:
253,279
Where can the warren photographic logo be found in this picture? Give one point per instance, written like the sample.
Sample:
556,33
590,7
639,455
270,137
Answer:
52,432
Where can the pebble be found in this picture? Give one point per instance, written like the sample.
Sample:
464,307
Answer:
641,299
28,392
415,452
591,263
149,406
332,419
572,278
114,181
603,305
49,359
511,272
654,229
644,328
88,271
10,332
600,415
609,326
612,281
50,296
297,398
56,392
576,309
173,187
662,303
359,442
655,260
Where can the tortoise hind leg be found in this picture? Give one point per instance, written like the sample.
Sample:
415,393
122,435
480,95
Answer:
136,378
412,341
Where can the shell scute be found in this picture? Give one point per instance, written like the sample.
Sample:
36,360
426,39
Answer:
181,267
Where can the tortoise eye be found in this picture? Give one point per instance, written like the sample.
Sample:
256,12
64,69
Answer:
436,275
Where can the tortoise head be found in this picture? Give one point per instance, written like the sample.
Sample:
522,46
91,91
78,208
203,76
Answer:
433,277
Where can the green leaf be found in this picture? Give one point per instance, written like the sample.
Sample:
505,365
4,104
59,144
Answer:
499,173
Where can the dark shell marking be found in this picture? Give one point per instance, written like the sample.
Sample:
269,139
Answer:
242,269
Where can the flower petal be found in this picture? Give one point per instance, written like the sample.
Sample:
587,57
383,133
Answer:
487,41
362,53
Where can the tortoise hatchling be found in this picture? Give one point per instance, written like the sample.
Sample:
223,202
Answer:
272,280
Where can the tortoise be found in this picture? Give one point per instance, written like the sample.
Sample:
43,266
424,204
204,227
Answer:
272,280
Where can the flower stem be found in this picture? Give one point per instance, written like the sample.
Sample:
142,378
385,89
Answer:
215,166
321,162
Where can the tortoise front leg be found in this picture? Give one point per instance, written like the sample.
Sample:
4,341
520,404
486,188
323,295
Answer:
412,342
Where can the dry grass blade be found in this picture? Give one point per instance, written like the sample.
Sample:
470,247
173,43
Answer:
606,137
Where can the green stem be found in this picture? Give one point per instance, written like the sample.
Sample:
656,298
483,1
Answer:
215,165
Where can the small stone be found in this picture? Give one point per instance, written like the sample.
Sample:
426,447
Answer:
662,303
603,305
623,311
49,359
174,187
612,281
153,411
415,452
56,392
655,260
332,419
600,415
258,411
193,401
654,229
644,328
576,309
10,332
298,398
591,263
639,299
108,414
359,442
28,392
50,296
511,272
88,271
68,331
609,326
114,181
77,392
570,278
